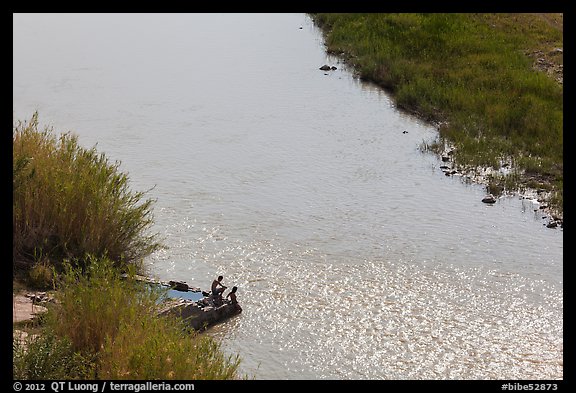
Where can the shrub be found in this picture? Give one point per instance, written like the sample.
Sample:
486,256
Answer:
49,357
92,303
41,275
115,320
69,201
149,347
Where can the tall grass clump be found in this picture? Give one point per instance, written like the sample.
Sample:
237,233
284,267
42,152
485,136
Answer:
49,357
109,323
470,73
69,201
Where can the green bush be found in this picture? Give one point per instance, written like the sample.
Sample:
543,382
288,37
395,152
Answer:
69,201
114,319
49,357
92,303
41,275
150,347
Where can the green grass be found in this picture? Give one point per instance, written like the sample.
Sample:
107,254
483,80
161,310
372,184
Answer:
470,74
69,201
49,357
105,326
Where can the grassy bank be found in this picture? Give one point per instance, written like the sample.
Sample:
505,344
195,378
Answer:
78,229
475,75
104,326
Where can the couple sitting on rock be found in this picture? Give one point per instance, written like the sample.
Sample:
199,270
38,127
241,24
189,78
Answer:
218,289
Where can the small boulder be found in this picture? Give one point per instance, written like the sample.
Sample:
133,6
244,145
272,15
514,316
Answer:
179,285
325,67
489,199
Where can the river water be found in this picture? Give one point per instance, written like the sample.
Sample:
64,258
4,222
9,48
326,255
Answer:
355,257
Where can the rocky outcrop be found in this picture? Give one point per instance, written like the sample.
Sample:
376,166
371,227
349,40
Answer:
489,199
326,67
196,307
201,314
179,285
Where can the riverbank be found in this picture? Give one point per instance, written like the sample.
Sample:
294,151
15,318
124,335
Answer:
107,325
81,232
491,83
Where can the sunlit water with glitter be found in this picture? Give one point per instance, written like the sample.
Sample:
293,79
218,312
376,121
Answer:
355,257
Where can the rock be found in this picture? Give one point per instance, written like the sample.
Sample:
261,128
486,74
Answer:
24,309
325,67
445,158
40,297
333,68
552,224
197,317
179,285
489,199
198,314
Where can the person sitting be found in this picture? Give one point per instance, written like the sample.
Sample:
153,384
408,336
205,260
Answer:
217,292
233,300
